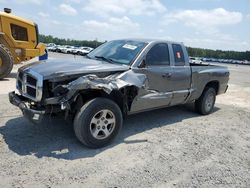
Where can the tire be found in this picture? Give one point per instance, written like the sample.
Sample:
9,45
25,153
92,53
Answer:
205,104
86,123
7,61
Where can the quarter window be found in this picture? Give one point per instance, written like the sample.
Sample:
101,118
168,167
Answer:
19,33
158,55
178,55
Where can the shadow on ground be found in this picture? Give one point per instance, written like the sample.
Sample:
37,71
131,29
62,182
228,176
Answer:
55,137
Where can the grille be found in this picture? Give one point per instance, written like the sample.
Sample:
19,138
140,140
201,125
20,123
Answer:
31,91
30,85
20,75
30,80
19,84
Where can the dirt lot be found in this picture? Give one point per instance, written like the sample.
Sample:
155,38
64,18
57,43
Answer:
171,147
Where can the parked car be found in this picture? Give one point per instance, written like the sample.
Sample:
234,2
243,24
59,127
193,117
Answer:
119,78
82,50
59,48
50,46
64,48
53,49
68,49
195,60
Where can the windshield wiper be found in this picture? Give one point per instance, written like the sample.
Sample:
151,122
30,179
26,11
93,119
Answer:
109,60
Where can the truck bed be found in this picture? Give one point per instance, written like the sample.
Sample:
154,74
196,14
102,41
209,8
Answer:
205,73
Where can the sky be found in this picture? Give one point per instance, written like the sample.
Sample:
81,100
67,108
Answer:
213,24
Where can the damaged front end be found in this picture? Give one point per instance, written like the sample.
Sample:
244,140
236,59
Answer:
120,87
107,84
33,113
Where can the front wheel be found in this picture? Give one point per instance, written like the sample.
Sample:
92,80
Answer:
98,122
6,61
205,104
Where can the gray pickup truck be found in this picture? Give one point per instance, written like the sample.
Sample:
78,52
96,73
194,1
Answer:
119,78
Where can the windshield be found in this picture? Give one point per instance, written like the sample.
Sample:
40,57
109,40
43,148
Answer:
118,51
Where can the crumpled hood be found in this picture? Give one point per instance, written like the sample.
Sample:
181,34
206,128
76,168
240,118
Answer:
67,67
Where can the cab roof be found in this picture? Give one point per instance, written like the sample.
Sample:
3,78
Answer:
11,16
148,40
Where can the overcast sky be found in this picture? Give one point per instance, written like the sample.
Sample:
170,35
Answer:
215,24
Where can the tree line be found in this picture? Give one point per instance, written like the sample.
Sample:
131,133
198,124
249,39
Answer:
71,42
195,52
219,54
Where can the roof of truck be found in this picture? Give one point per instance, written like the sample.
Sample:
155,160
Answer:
11,16
148,40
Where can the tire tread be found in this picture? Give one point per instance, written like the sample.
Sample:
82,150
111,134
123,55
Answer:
199,104
9,64
82,114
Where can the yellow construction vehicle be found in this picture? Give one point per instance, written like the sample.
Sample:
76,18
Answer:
18,41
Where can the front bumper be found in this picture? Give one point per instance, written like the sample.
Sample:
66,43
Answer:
35,116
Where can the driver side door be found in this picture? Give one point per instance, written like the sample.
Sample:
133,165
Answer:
159,72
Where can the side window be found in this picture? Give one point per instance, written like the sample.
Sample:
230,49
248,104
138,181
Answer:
158,55
19,33
178,55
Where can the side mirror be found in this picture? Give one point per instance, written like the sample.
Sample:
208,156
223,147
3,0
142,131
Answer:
142,64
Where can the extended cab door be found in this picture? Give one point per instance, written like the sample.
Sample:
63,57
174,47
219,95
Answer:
181,75
159,75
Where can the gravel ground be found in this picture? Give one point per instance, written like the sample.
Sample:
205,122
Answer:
172,147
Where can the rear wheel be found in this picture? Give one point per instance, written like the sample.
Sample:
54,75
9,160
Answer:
205,104
98,122
6,61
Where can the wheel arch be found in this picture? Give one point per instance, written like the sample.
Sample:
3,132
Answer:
122,97
213,84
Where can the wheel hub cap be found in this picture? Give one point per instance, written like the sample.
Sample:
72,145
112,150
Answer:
102,124
209,102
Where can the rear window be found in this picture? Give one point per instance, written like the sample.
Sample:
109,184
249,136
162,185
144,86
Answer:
19,33
178,55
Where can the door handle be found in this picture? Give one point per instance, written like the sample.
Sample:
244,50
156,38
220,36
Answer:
167,75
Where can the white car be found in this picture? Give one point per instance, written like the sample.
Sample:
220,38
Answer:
82,50
50,46
67,49
60,48
195,60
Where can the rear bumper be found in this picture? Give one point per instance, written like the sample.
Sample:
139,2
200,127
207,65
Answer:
226,89
35,116
223,89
